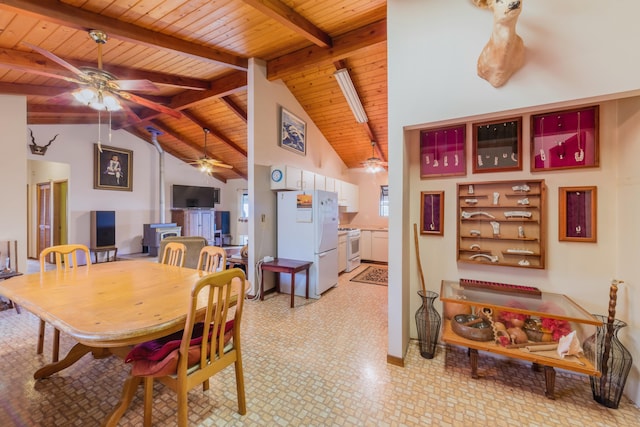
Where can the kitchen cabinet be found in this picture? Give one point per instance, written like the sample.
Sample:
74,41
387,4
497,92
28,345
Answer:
342,252
287,177
319,182
196,222
329,183
348,196
374,245
365,245
380,246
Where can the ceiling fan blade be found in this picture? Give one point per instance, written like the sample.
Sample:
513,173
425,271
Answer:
132,117
179,86
218,164
57,60
48,74
149,104
136,85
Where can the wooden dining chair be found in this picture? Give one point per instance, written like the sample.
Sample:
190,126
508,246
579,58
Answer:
65,258
174,254
212,259
210,342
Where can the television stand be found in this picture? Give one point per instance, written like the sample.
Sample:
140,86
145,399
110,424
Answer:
106,249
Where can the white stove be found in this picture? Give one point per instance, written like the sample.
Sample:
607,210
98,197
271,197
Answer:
353,247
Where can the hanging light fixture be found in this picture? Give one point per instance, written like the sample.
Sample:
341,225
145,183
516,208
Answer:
97,99
374,164
205,166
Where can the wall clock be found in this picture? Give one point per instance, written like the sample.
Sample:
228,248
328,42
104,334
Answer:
276,175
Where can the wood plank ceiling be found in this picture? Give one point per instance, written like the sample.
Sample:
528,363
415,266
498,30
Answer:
203,45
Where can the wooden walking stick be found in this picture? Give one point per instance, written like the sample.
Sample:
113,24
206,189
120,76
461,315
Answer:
415,239
607,339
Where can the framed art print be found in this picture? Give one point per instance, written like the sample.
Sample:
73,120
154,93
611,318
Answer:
293,132
113,168
442,152
497,146
577,206
432,212
565,139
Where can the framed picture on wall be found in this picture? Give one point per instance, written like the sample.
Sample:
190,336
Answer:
293,132
432,212
442,152
577,216
565,139
113,168
497,146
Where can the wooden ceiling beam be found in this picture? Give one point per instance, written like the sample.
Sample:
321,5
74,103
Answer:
30,90
223,86
235,108
80,19
215,133
291,19
343,46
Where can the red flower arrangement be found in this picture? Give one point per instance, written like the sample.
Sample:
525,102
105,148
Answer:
557,328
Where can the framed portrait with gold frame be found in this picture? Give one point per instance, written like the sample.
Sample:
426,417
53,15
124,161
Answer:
432,212
577,214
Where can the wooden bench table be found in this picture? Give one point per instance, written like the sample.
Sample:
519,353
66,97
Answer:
284,265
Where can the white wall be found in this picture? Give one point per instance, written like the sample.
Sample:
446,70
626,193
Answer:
13,173
265,99
577,53
75,147
368,214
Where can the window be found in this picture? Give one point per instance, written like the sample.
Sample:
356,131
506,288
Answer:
384,200
244,205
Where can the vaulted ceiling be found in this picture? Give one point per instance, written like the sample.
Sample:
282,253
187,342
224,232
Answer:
197,51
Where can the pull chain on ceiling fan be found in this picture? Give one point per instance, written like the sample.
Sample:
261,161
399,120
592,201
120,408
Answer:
373,164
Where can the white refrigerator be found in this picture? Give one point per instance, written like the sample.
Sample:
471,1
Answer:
308,231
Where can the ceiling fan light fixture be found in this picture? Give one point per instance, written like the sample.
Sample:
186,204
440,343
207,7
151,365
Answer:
349,92
96,99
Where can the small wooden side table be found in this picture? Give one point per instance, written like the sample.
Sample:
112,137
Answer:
284,265
4,275
106,249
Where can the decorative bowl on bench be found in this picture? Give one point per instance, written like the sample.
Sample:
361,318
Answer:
472,327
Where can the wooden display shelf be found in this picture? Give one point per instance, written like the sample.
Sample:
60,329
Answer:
500,233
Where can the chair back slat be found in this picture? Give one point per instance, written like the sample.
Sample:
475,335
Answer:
212,259
65,256
174,254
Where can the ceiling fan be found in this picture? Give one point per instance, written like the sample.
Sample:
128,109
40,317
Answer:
205,163
100,89
374,164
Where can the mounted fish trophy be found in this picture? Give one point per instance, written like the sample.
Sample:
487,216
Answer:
503,54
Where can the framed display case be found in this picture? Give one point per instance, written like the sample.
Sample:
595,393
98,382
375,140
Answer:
559,313
577,214
442,152
432,212
497,146
502,223
565,139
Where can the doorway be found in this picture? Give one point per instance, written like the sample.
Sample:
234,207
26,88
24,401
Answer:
51,214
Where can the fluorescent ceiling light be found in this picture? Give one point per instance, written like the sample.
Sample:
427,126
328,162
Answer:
349,91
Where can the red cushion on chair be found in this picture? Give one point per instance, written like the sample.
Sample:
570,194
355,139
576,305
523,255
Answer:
160,357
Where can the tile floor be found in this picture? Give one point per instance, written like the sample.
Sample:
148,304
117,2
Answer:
322,363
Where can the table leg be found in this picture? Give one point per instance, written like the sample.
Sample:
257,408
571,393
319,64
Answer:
293,286
115,254
128,392
473,358
549,382
307,293
76,352
262,286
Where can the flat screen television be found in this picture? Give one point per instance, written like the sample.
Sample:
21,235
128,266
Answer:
191,196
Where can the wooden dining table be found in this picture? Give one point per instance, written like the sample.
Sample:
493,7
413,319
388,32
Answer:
106,308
